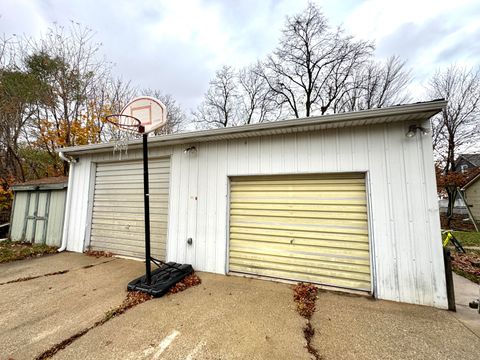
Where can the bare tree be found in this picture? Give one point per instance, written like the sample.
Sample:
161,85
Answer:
176,118
257,102
219,107
312,64
458,125
68,60
376,85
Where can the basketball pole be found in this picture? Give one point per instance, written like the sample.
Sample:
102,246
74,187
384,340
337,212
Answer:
146,204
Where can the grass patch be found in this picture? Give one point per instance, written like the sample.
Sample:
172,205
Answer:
16,250
466,238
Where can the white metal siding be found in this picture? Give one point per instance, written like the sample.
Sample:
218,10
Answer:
301,227
404,221
118,208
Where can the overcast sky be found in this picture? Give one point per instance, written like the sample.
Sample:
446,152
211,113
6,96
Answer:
176,46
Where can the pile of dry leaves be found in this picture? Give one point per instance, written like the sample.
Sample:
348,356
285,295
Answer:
305,296
98,253
133,298
188,281
467,265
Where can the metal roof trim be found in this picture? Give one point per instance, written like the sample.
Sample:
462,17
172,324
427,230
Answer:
40,187
356,118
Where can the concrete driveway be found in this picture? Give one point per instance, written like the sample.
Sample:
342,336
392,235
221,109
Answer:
223,318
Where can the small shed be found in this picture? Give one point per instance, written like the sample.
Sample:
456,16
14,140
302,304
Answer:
38,211
471,192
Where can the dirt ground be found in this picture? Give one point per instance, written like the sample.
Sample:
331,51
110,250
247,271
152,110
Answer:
225,317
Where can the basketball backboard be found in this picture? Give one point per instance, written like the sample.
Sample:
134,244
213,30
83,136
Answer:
150,111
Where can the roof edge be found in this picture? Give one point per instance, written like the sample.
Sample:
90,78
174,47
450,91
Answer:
419,107
471,182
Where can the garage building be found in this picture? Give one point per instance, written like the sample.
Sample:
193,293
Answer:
345,200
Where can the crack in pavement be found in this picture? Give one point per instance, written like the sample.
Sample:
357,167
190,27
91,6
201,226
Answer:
305,295
133,299
61,272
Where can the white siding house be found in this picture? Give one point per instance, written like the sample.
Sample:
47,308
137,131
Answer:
376,189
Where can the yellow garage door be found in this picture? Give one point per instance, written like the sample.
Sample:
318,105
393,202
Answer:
304,228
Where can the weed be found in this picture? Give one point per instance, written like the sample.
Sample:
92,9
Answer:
16,250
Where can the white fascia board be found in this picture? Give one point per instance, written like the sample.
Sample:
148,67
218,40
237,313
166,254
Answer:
423,110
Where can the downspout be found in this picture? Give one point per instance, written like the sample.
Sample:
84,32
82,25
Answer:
66,220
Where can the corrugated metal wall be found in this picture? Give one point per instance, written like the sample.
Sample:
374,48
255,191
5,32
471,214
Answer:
405,227
51,204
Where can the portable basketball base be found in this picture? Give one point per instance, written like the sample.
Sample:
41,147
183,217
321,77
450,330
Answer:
160,280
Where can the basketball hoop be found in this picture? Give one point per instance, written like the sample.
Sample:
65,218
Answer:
125,128
140,117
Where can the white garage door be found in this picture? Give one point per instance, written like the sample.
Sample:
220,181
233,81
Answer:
118,212
305,228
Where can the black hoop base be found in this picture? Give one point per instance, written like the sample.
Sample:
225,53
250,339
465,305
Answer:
162,279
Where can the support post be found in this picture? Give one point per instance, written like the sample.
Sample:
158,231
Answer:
449,279
146,202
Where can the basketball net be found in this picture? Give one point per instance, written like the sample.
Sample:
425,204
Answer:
121,136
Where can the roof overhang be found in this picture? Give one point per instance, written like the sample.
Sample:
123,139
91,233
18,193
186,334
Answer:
471,182
409,112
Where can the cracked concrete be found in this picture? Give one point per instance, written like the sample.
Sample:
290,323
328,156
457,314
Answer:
38,313
223,318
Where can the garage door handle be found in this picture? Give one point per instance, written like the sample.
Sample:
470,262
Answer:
291,241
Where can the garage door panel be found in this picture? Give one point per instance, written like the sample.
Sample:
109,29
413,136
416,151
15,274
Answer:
130,198
299,219
300,241
310,228
154,184
332,187
118,209
132,166
298,267
299,234
299,207
296,201
125,191
321,262
334,258
307,227
298,195
289,249
130,209
130,215
134,228
301,276
302,214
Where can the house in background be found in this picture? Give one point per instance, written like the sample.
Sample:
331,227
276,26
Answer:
467,162
471,192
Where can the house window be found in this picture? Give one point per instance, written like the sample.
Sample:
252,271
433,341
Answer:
463,168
